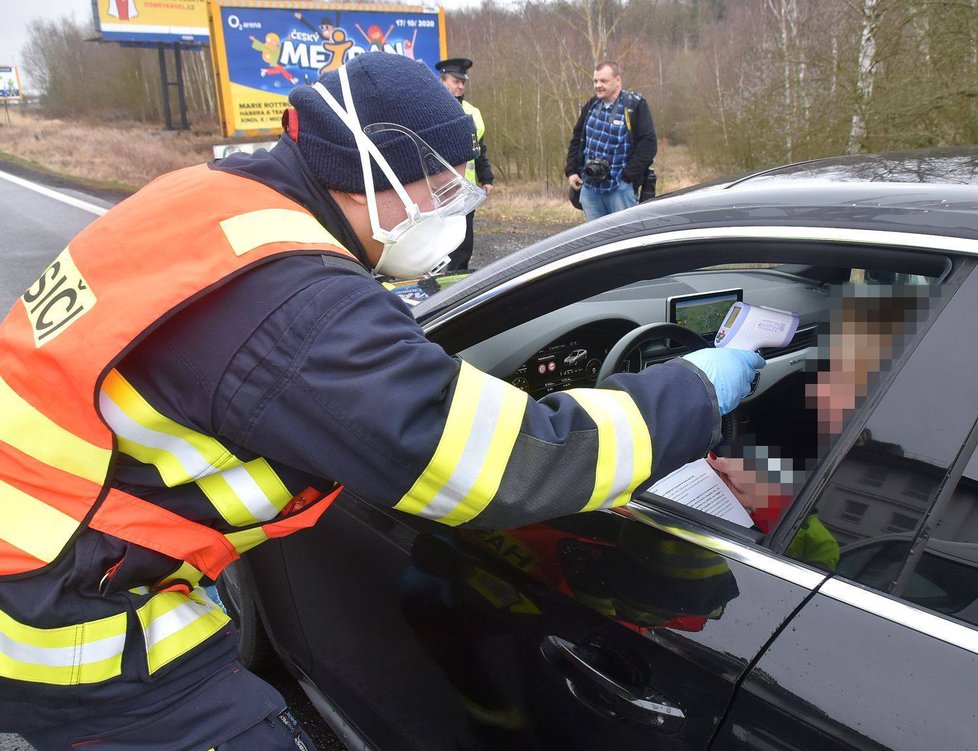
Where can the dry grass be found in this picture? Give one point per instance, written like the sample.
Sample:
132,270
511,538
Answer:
129,156
109,156
677,169
516,203
674,164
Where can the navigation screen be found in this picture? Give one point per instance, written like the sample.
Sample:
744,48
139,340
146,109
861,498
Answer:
703,313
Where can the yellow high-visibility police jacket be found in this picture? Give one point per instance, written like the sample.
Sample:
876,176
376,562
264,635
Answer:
478,170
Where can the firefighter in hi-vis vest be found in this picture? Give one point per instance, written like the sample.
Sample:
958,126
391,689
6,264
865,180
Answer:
202,366
454,74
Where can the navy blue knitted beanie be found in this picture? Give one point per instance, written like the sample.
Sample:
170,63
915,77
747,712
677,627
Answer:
386,88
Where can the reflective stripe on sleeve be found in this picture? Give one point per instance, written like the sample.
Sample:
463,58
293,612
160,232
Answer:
624,445
174,623
31,432
243,493
465,471
246,494
253,229
65,656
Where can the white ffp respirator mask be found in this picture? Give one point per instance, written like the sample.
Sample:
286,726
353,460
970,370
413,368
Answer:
422,247
422,241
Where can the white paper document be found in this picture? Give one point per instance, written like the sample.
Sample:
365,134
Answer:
698,486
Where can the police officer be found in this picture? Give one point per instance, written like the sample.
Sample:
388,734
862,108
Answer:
201,366
454,74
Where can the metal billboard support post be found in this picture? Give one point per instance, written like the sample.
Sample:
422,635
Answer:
181,97
165,84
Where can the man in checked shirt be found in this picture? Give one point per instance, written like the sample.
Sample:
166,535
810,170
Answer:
609,159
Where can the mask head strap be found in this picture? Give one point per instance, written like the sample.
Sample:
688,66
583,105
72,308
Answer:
367,149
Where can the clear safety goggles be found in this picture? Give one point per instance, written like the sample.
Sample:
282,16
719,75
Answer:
451,194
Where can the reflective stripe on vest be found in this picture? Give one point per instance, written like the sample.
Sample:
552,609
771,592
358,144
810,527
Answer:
38,447
463,475
624,445
182,235
480,131
82,653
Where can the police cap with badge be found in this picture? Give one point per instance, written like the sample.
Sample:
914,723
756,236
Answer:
455,66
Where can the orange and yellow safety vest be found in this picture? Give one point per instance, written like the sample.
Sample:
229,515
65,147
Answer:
185,234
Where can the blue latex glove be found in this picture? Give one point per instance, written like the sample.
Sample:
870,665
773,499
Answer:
731,372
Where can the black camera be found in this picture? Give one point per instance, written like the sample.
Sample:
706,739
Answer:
597,169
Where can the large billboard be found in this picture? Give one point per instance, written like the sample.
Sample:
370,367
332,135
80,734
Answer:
261,51
10,83
151,20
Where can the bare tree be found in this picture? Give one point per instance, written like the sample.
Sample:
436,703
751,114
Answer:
746,84
865,74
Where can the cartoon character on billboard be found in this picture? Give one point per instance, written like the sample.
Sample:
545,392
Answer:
408,47
271,50
124,10
339,46
335,40
375,37
325,30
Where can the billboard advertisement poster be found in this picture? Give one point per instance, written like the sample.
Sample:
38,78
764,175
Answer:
262,51
151,20
10,83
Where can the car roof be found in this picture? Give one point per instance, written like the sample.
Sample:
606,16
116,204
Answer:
945,166
926,192
923,181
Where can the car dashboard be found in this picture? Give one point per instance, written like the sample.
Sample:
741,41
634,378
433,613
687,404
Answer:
566,348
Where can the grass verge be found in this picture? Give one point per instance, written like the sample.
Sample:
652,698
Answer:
118,159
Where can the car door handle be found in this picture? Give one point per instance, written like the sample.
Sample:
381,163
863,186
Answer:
652,711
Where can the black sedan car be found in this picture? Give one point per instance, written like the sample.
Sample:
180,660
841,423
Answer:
844,615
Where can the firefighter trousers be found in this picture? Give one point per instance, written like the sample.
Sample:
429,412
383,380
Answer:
231,710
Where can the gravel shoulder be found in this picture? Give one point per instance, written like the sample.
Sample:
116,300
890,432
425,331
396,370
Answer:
495,239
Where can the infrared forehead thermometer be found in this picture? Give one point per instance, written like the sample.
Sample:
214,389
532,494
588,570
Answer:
751,327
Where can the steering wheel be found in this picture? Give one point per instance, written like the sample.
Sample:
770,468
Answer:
654,332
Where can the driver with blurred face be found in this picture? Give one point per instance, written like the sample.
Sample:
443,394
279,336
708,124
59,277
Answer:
225,365
867,327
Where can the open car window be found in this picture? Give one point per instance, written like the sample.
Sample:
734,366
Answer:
554,331
901,506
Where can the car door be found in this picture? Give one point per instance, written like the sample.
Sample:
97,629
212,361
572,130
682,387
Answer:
628,629
612,630
884,655
595,631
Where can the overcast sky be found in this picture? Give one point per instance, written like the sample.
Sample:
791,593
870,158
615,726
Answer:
16,14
